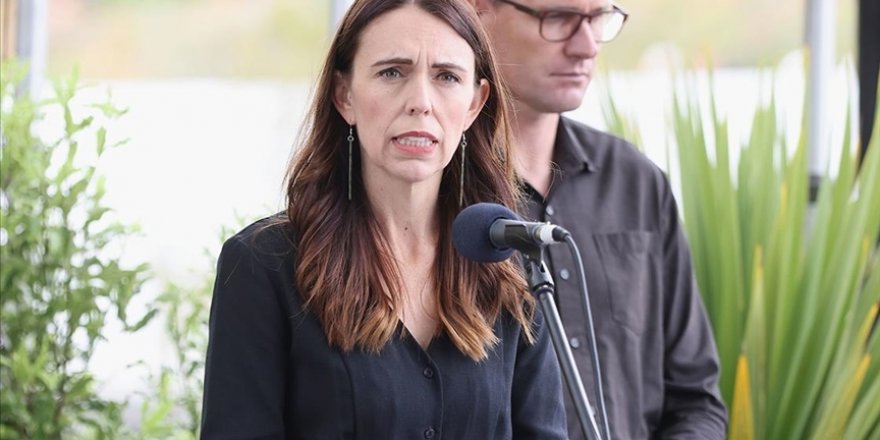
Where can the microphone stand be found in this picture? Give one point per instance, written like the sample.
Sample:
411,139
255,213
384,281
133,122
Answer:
541,283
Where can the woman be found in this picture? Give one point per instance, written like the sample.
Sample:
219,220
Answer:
352,316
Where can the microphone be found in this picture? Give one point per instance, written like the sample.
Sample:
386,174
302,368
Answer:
488,233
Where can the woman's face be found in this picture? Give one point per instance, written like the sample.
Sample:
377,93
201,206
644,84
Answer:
411,94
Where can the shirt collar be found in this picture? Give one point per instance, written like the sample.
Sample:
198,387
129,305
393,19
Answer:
570,154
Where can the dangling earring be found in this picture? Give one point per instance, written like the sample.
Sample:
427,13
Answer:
350,140
461,182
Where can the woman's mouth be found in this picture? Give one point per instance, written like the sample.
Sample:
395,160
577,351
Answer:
414,141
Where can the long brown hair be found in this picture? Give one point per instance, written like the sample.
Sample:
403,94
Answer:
345,270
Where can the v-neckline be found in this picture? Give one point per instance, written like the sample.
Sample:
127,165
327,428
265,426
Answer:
407,334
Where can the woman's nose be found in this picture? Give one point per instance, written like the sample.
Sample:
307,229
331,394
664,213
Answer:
419,98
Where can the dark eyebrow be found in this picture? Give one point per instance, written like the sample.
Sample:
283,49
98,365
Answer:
450,66
390,61
409,62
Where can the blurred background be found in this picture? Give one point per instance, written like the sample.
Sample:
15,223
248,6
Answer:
284,40
215,92
216,89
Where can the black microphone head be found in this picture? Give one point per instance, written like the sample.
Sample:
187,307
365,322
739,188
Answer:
470,232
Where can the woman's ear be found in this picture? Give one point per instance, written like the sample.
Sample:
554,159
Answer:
342,97
481,95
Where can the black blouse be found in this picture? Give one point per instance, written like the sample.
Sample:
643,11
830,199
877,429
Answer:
271,374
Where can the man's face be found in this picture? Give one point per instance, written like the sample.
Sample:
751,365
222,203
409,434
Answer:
544,76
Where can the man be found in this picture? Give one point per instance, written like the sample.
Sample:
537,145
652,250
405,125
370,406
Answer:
658,357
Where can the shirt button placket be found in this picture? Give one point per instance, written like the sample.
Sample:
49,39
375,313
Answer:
435,382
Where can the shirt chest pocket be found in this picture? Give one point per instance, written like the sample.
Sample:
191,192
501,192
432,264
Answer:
630,267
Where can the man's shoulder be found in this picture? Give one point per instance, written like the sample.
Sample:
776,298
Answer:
607,151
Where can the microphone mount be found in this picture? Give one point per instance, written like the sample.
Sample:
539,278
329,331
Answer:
531,250
543,287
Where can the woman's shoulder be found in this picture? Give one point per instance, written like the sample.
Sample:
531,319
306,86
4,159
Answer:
268,241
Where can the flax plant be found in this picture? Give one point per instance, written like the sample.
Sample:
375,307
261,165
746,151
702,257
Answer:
792,288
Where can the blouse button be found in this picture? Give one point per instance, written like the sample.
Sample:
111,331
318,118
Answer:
429,433
549,210
574,342
428,372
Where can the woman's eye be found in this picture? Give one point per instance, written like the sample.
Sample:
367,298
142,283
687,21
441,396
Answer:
390,73
449,77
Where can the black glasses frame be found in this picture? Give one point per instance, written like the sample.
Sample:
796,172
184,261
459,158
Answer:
589,16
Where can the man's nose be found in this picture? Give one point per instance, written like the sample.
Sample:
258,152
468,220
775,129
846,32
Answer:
583,43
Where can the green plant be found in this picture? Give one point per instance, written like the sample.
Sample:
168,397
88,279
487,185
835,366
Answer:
791,289
173,408
60,280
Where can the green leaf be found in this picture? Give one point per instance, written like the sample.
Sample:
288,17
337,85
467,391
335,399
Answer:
146,319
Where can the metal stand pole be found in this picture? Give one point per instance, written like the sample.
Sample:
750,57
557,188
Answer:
543,288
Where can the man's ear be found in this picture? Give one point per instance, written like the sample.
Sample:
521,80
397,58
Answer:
486,11
481,95
481,5
342,97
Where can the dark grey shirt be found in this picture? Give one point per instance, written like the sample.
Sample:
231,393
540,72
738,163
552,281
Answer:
657,352
270,373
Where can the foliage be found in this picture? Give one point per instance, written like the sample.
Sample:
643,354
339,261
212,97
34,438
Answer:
59,278
792,288
173,409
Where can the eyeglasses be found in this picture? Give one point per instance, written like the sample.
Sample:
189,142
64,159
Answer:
559,25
